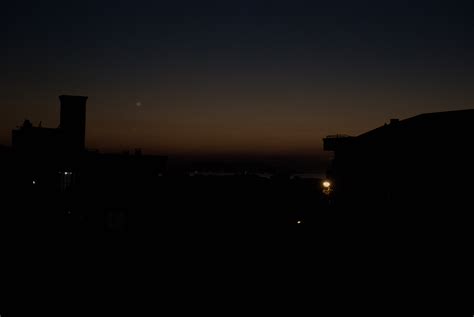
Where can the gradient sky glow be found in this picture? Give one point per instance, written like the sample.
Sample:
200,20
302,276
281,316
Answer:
214,77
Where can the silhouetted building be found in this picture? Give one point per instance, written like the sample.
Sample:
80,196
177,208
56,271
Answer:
68,138
425,161
73,121
52,169
36,139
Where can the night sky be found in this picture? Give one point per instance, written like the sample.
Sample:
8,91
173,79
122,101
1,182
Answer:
233,77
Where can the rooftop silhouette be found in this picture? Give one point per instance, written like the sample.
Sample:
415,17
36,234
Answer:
422,161
68,137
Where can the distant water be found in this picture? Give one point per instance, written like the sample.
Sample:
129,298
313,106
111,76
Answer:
265,175
309,175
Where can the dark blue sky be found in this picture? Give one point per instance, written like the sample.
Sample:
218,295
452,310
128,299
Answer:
233,76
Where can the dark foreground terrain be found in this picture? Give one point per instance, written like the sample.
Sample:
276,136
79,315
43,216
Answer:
237,202
221,244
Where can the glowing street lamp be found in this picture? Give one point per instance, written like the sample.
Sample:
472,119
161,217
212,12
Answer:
327,187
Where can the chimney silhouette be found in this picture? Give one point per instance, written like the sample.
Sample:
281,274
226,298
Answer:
73,121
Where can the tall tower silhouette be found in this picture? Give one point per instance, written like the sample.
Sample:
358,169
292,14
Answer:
73,121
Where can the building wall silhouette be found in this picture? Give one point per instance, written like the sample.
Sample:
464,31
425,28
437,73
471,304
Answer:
425,161
68,138
52,169
73,120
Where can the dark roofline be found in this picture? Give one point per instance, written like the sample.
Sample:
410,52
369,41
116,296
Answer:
420,117
35,128
441,113
331,142
438,113
71,96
